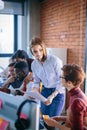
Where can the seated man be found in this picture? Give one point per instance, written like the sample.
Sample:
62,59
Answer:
19,55
11,76
21,71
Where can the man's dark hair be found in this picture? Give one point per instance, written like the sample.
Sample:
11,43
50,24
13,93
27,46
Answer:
11,64
23,55
22,66
20,54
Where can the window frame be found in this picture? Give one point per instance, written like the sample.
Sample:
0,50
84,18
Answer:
15,43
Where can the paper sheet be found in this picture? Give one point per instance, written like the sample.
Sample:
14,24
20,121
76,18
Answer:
36,95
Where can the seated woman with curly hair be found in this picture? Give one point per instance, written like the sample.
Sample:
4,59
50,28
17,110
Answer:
76,118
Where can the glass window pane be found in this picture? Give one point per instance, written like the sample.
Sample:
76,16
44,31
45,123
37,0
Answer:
4,62
6,33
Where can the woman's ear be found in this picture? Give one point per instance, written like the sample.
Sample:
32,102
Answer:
69,83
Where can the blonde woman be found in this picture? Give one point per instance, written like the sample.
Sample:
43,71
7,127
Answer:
47,69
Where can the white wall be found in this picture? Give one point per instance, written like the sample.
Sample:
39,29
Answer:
60,52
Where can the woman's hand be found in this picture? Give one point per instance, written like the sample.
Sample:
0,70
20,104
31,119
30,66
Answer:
51,97
49,121
60,118
49,100
52,122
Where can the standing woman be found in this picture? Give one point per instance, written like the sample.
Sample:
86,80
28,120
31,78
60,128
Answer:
47,69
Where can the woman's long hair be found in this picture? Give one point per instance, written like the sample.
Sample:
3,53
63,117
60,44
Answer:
37,41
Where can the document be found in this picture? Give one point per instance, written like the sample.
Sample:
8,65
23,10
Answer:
35,94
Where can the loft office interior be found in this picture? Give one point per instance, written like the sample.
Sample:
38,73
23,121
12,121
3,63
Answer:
30,20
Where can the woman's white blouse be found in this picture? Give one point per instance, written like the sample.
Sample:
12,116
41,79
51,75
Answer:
49,73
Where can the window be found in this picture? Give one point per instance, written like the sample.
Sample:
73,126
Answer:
8,38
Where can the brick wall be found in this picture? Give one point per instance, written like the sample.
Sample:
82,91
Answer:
63,25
